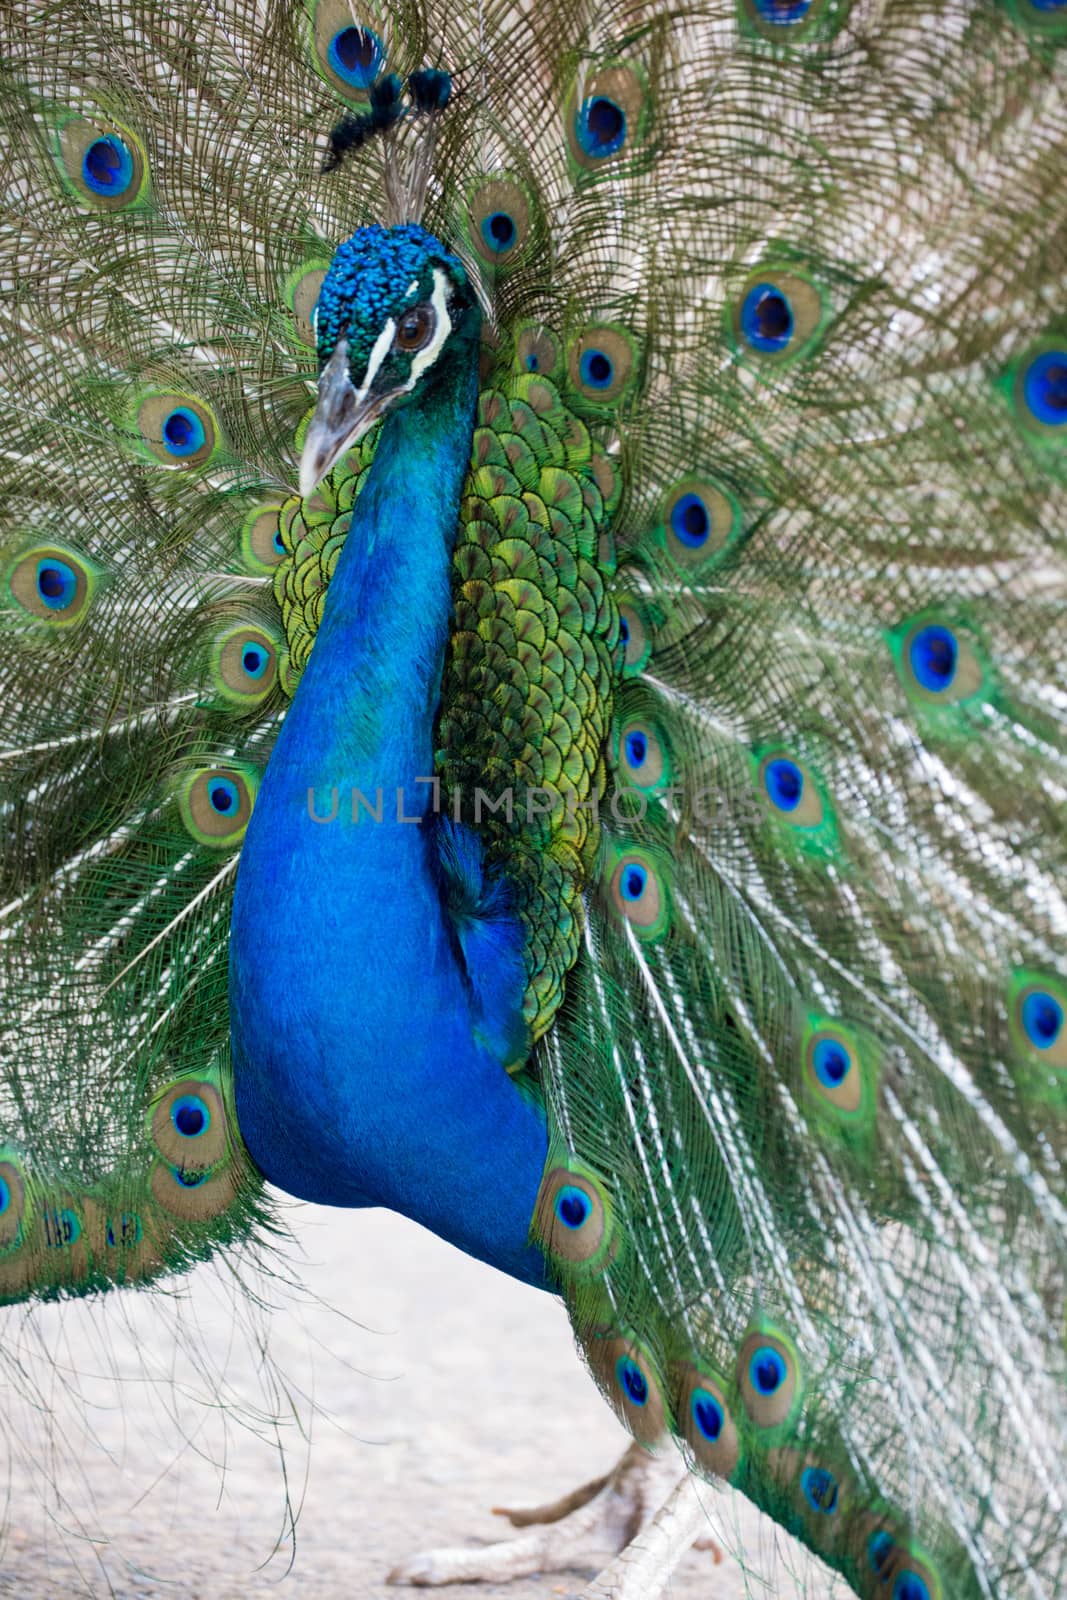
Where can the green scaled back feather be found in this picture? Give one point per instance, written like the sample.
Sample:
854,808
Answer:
771,435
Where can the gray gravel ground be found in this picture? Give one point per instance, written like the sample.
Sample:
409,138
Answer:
440,1388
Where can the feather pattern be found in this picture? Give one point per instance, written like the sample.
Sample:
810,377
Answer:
758,583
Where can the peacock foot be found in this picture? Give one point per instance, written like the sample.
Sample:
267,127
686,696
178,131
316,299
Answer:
641,1513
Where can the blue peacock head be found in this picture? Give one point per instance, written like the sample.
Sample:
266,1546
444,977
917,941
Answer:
393,302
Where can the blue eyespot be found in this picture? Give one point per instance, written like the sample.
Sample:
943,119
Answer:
819,1488
766,1370
632,1380
600,126
933,654
909,1586
279,542
1042,1017
107,166
784,783
356,55
532,363
189,1180
832,1062
880,1547
572,1206
5,1196
766,318
191,1116
129,1231
183,432
690,522
636,748
707,1414
61,1227
596,369
223,796
57,583
1045,382
255,660
624,631
499,231
783,11
632,881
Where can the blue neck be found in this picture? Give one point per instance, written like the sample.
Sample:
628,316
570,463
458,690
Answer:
360,1077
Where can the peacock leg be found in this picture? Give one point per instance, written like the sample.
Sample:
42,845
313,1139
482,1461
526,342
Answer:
643,1567
641,1513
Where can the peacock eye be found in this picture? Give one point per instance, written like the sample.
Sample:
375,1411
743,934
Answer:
415,328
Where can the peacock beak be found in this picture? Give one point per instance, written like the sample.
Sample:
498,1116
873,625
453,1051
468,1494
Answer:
342,416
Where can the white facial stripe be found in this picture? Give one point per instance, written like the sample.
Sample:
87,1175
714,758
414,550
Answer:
382,346
426,358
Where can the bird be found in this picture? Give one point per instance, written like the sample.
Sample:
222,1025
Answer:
533,579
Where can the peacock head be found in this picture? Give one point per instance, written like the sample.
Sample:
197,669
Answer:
392,304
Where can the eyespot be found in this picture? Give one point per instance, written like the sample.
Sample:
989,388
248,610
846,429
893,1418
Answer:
832,1068
244,664
53,583
301,290
216,804
705,1420
1035,382
415,328
349,55
899,1568
356,56
767,320
177,430
192,1193
635,638
602,363
12,1203
1045,388
191,1116
62,1226
638,893
188,1124
910,1586
880,1551
767,1378
608,117
642,754
820,1490
107,166
937,662
102,163
627,1376
262,545
498,220
572,1217
778,315
783,13
124,1231
789,22
840,1070
1038,1012
537,350
700,519
1042,1018
932,655
601,126
789,790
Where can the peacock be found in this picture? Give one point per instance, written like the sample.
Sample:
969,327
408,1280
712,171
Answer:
533,581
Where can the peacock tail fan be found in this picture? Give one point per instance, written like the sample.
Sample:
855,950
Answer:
758,591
